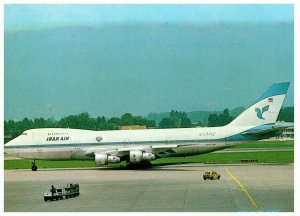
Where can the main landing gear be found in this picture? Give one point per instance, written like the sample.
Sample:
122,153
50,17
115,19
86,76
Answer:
33,167
141,165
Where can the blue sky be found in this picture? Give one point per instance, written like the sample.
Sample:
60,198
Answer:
112,59
20,16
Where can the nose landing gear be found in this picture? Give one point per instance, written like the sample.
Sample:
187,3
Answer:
33,167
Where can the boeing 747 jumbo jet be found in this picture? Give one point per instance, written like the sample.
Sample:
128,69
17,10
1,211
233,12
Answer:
139,147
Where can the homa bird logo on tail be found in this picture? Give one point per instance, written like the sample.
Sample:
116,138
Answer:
260,112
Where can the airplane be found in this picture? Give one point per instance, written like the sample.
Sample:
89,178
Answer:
139,147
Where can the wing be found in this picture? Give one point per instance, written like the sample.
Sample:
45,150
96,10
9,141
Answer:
125,151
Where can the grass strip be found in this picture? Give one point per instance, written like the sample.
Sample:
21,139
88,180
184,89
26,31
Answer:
218,158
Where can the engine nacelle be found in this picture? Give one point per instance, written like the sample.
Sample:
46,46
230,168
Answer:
148,156
103,159
137,156
113,159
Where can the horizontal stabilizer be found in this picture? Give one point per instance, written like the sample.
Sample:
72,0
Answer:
267,129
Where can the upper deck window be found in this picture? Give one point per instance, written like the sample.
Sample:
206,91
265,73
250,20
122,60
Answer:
54,134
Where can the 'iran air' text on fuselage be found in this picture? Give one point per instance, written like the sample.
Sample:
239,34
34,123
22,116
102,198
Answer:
57,138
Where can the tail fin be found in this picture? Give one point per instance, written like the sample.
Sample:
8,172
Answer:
265,108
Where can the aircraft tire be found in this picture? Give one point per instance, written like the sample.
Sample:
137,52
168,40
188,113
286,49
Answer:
146,164
142,165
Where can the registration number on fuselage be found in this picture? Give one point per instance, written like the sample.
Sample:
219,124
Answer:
207,133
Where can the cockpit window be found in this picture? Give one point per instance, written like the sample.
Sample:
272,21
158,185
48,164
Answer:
24,133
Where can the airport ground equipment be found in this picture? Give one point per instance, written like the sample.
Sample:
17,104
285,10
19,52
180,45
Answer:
72,190
211,175
249,161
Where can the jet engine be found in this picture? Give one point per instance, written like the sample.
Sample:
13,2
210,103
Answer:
139,156
103,159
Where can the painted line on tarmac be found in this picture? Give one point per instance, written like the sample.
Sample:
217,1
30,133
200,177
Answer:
243,188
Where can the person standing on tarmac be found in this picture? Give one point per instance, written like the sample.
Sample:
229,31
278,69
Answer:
53,190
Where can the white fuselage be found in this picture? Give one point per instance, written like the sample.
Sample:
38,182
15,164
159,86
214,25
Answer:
68,144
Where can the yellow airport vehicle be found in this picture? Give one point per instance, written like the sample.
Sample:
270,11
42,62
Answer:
211,175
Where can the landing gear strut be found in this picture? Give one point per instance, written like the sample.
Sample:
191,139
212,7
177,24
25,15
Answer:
34,167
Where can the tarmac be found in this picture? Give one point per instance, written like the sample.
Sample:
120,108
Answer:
174,188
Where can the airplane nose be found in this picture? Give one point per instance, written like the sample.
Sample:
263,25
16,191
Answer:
6,148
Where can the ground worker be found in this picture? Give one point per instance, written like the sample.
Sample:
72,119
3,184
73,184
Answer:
53,190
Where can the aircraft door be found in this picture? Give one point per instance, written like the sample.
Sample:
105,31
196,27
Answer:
39,148
77,146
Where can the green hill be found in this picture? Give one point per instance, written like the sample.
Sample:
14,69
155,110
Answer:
195,116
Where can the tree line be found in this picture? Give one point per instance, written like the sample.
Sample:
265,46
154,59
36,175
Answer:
176,119
80,121
286,114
